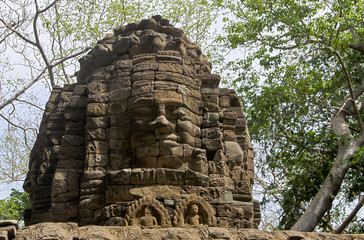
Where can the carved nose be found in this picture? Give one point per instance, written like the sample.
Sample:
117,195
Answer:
162,122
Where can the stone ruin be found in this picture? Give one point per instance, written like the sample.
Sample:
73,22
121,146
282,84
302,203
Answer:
144,138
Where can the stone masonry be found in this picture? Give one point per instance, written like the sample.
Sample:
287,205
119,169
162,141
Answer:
144,138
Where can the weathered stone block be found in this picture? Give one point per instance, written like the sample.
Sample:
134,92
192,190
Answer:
71,152
97,122
99,97
243,186
119,144
119,159
142,76
78,101
234,153
120,81
74,114
118,132
96,134
74,127
124,64
72,140
209,98
59,186
170,67
199,166
144,113
185,137
97,160
224,101
119,177
80,90
170,177
93,174
96,87
143,176
170,161
221,181
94,147
64,211
145,162
193,105
196,178
145,66
92,191
92,201
229,135
169,98
119,120
96,109
70,164
120,94
121,193
186,115
211,144
228,210
116,108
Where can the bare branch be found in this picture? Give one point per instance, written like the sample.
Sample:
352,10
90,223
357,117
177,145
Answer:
70,56
21,91
8,26
32,104
37,41
350,217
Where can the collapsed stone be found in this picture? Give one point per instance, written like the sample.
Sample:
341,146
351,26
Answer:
144,138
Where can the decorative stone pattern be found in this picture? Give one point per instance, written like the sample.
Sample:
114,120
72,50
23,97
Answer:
144,138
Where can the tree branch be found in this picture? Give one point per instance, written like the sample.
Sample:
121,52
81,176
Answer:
350,217
37,41
20,92
32,104
352,95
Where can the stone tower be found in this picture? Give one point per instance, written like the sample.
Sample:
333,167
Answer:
145,137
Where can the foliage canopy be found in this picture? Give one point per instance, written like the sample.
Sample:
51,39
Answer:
303,65
12,207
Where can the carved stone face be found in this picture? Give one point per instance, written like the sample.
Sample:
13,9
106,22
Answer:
160,126
194,209
147,211
146,119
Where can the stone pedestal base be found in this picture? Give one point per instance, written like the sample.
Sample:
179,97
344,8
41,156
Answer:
70,231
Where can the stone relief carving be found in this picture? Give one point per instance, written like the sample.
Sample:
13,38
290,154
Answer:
194,211
148,212
148,220
145,118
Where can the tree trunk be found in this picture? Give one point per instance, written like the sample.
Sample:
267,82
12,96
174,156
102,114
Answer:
322,202
331,186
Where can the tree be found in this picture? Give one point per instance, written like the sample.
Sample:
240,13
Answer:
14,155
41,41
302,83
12,208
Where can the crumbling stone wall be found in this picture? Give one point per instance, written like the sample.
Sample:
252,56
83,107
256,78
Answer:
145,137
